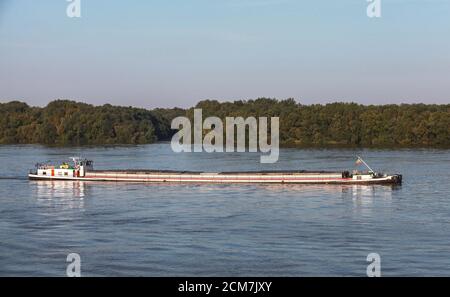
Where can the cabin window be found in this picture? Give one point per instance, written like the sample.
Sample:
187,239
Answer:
44,173
359,177
66,173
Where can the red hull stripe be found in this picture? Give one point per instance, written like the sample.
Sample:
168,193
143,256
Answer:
218,179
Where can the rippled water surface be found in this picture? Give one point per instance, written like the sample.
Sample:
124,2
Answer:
228,230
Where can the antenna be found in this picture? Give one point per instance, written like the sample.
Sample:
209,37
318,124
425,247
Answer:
75,160
360,159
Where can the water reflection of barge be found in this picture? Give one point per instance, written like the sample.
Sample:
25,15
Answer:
83,170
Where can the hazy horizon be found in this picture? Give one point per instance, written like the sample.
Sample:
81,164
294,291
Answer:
175,53
221,101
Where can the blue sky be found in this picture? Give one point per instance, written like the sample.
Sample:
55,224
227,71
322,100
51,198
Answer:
177,52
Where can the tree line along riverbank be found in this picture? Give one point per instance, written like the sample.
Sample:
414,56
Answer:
64,122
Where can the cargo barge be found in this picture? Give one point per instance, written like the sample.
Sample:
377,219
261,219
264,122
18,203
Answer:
83,170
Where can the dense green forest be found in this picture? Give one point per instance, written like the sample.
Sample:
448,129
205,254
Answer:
64,122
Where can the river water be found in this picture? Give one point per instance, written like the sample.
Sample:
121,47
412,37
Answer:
131,229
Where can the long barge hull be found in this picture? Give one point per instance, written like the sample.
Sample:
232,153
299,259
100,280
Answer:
226,177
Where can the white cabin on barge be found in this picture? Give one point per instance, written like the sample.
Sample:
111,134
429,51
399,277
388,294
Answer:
65,170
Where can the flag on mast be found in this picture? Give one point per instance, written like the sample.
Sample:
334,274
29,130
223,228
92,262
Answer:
361,161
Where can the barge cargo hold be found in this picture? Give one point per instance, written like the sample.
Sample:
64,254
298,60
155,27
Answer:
83,170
